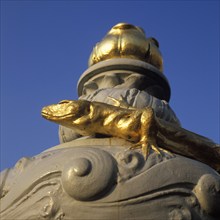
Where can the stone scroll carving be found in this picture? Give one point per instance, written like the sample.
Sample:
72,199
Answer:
73,180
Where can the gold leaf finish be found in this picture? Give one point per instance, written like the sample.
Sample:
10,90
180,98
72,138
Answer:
127,41
139,126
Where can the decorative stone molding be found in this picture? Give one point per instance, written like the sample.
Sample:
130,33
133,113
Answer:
103,178
128,73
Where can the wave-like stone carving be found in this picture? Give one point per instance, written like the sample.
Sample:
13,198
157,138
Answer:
103,177
82,176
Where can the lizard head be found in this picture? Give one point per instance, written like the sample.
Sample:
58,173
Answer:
65,111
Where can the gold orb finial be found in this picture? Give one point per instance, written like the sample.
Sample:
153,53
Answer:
127,41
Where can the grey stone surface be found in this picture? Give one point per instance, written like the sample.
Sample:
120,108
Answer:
103,179
129,73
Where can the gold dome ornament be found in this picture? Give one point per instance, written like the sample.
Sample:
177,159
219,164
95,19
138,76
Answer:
127,41
124,51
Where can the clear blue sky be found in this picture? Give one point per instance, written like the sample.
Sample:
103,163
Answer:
45,46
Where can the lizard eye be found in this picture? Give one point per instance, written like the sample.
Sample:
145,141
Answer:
64,101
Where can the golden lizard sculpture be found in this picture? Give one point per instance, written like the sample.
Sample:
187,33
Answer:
139,126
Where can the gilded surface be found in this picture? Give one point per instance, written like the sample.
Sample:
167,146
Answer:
127,41
139,126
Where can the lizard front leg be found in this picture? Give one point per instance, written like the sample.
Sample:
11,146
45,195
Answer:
147,133
122,103
149,130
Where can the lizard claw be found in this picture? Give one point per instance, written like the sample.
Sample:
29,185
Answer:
119,102
160,151
146,149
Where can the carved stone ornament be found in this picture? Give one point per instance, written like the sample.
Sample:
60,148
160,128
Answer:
102,178
123,152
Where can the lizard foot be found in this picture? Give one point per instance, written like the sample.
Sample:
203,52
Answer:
122,103
161,151
146,148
